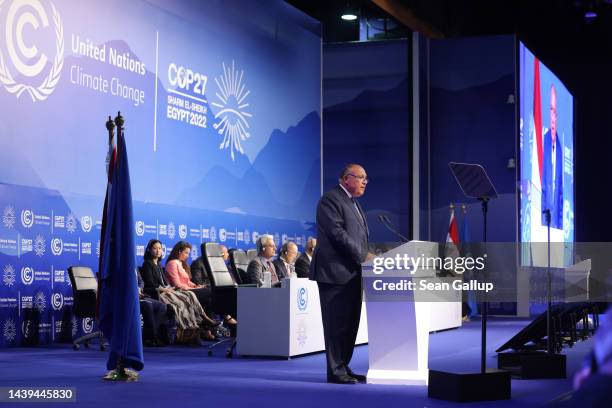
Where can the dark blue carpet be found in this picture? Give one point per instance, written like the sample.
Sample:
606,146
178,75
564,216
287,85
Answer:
177,377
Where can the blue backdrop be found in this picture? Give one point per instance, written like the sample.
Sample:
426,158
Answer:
367,114
223,131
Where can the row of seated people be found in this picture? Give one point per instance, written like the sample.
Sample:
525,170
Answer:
183,291
286,265
173,287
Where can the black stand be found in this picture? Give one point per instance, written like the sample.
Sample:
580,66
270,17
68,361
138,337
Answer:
488,384
536,364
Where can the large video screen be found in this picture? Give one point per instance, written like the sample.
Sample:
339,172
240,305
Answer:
547,156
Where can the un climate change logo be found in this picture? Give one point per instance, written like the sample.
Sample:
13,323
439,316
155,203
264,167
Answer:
57,301
302,299
232,120
140,228
27,217
87,325
57,246
27,275
20,17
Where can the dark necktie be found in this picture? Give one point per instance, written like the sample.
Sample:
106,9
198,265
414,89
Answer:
358,211
273,276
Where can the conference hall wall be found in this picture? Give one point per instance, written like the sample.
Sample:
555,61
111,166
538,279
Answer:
472,119
366,120
223,129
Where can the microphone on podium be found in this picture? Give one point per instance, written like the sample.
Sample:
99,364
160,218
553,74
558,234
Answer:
384,220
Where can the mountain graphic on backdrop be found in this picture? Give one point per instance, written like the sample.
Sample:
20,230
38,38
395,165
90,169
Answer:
283,182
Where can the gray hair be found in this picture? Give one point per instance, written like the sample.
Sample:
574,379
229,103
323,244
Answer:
261,240
346,170
285,247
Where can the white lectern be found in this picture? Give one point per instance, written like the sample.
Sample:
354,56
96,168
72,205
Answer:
398,326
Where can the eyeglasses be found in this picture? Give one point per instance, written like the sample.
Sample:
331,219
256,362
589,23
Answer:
360,178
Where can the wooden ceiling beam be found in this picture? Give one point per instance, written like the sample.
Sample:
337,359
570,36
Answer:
406,16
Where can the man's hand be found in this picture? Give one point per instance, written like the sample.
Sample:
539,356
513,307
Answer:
369,257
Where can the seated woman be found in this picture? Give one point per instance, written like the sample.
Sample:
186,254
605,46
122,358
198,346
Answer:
189,314
156,318
178,274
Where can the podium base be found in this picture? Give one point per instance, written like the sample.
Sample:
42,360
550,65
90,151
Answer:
465,387
533,365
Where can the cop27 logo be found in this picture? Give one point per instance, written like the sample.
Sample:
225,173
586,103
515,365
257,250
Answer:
8,217
37,72
232,119
9,330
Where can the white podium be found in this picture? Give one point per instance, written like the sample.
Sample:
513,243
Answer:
283,322
399,321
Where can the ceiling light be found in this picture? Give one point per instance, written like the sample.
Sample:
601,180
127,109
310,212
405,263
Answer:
349,13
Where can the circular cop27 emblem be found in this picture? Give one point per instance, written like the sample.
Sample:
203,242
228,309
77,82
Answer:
26,25
302,299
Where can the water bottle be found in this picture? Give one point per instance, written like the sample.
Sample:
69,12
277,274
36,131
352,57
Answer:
267,280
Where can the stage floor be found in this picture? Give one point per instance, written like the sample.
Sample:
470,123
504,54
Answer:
186,377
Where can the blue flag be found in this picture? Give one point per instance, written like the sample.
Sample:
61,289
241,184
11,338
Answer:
119,311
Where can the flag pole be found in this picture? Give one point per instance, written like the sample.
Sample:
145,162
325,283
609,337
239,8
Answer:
120,373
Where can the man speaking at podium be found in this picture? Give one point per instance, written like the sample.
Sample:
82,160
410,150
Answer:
342,246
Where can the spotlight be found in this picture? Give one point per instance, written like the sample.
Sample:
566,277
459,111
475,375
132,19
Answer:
349,13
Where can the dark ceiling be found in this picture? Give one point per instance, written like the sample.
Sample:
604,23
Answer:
555,30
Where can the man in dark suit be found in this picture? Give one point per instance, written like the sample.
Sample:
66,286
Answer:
284,264
303,262
199,275
342,232
552,169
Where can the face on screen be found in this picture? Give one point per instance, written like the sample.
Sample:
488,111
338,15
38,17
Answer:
546,160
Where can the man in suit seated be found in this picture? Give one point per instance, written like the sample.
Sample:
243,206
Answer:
262,263
284,263
199,275
303,262
230,268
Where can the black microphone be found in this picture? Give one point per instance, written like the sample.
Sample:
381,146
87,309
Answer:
384,220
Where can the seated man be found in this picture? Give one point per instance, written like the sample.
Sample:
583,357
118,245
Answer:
199,276
263,261
303,262
230,268
284,263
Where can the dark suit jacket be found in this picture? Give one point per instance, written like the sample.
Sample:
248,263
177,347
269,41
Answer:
342,239
302,264
153,277
552,196
281,270
256,270
199,276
